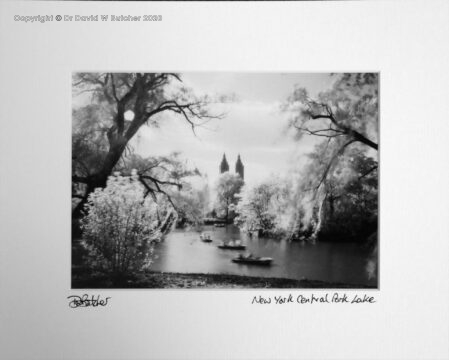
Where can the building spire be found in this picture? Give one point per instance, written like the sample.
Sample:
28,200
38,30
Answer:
239,168
224,166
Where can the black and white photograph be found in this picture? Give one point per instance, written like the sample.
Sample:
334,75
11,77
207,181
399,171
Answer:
229,180
225,180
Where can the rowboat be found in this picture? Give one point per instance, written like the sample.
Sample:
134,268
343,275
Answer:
232,245
252,260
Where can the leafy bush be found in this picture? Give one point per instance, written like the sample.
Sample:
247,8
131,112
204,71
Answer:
120,226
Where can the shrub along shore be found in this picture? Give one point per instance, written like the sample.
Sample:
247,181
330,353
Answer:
168,280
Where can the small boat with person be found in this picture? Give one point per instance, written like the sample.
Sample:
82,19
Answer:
232,245
250,259
205,237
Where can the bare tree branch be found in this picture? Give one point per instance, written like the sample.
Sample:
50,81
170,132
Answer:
157,183
342,129
368,172
320,131
161,182
114,92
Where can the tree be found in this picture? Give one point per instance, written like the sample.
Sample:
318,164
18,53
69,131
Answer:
345,119
171,177
164,175
262,207
349,210
191,205
121,226
228,186
121,104
342,114
349,109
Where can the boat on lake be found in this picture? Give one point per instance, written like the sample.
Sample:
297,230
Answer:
205,237
220,225
232,245
252,260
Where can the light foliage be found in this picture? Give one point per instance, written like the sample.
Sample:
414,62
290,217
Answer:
121,225
227,187
262,208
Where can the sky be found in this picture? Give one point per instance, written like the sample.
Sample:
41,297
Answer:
253,126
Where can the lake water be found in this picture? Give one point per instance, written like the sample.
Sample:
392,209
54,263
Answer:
183,251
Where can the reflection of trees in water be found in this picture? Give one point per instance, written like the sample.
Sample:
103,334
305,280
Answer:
323,261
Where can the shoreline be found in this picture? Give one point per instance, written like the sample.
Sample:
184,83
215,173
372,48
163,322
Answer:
171,280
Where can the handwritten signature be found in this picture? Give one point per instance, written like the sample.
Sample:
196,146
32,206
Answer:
86,301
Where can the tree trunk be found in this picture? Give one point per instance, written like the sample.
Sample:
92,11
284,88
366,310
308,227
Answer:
99,180
319,220
166,226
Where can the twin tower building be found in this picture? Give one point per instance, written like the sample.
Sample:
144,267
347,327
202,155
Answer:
239,168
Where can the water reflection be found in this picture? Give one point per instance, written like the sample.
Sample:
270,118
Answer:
183,251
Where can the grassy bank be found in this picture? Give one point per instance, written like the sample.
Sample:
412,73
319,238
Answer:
158,280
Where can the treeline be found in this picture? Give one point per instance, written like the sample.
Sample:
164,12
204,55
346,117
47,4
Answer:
333,195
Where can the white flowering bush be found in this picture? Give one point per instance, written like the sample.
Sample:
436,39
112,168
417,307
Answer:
121,226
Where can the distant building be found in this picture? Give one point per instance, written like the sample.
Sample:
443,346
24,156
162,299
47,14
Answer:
224,166
239,168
